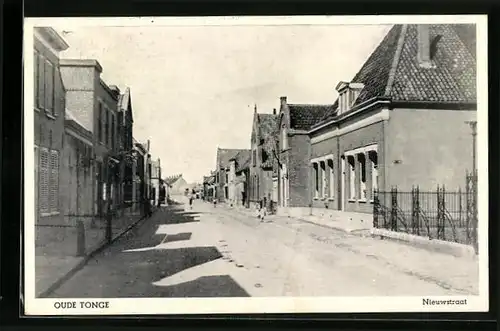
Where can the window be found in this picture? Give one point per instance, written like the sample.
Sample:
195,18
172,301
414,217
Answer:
362,163
332,178
254,157
48,195
41,82
49,87
112,131
106,127
374,164
352,177
316,179
35,78
324,187
99,122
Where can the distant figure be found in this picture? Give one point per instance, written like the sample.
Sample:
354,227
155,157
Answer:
191,198
215,202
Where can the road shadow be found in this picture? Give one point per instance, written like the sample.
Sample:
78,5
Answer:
207,286
132,274
178,237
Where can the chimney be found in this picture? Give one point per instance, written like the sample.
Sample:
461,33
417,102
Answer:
283,100
274,111
424,45
115,90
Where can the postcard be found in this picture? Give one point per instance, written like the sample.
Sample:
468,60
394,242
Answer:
300,164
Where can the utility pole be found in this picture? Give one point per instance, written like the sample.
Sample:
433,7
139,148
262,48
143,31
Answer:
109,228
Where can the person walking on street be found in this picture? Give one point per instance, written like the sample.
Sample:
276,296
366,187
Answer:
191,198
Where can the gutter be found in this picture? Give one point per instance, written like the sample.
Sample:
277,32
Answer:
361,107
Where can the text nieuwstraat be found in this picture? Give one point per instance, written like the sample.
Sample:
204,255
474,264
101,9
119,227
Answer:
449,302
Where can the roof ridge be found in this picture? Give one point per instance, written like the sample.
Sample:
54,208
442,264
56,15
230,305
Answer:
309,104
395,60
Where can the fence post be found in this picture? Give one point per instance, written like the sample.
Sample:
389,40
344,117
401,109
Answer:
376,208
415,220
394,209
440,213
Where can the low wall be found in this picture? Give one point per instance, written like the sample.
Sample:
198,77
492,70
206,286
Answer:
441,246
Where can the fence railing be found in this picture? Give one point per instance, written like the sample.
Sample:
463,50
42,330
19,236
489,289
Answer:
449,216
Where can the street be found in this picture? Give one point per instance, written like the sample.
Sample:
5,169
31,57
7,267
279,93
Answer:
218,252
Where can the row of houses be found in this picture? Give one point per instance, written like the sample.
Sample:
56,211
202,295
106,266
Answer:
86,156
401,121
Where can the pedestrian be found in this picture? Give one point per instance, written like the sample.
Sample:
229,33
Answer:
215,202
191,197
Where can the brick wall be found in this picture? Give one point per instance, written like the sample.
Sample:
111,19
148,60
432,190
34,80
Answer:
299,172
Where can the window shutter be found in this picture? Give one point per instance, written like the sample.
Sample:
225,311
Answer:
54,180
41,82
37,160
44,180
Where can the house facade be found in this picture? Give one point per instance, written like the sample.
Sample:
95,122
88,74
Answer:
420,76
177,184
95,106
49,121
76,174
292,177
222,172
238,173
126,145
156,181
263,152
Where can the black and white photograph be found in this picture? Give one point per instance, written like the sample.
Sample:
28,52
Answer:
301,164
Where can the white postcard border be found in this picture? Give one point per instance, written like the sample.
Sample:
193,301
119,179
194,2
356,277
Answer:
142,306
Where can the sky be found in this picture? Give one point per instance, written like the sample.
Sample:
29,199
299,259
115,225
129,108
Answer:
194,88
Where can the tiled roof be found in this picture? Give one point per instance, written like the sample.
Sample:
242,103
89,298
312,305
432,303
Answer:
225,155
268,130
393,71
243,160
302,117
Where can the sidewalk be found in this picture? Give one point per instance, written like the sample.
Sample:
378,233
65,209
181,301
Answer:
56,248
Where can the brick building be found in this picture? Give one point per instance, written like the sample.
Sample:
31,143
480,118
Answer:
125,135
94,105
49,117
386,127
260,181
294,122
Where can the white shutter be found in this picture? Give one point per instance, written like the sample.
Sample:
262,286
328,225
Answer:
44,180
54,181
36,161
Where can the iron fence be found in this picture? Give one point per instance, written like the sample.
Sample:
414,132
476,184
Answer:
440,214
